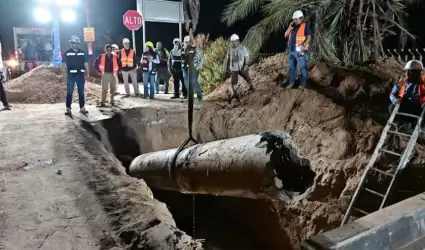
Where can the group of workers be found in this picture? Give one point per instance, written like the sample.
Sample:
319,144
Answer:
157,64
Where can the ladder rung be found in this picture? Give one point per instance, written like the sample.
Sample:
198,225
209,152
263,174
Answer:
390,152
399,133
409,115
374,192
382,172
361,211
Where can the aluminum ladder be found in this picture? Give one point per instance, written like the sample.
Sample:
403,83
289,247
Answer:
404,158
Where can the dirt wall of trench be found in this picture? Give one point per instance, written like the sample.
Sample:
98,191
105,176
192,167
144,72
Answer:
336,122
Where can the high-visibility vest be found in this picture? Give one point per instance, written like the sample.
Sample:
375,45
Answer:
115,66
300,36
127,60
421,90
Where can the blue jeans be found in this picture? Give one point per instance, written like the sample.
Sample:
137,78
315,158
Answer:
72,79
196,86
149,84
294,60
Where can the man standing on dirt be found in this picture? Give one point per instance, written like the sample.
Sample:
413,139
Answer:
410,93
175,66
299,36
6,106
128,61
237,62
108,66
75,65
162,68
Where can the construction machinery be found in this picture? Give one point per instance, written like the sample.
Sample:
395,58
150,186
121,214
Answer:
33,47
372,170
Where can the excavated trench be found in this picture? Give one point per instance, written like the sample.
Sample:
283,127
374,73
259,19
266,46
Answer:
202,216
224,222
336,124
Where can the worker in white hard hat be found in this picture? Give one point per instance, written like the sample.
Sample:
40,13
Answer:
175,66
237,62
127,57
75,66
409,92
192,47
299,37
115,50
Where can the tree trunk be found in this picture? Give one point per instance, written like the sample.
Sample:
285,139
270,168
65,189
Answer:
265,166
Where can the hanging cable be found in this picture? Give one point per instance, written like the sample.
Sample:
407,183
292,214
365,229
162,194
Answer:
190,52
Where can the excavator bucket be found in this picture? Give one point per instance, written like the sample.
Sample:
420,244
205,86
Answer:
191,9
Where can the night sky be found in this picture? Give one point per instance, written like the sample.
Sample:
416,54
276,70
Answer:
106,15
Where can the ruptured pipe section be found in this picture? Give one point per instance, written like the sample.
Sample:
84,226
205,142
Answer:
260,166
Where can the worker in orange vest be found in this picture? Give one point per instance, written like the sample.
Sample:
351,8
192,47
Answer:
108,65
129,67
409,91
299,37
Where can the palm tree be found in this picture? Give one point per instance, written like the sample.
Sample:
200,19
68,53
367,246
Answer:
347,31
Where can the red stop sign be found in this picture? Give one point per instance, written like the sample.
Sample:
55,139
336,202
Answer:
132,19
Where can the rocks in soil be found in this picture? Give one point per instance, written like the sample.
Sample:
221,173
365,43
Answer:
46,85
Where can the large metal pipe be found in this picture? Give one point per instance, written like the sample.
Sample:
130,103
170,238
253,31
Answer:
261,166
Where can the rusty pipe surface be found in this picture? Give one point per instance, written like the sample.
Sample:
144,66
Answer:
262,166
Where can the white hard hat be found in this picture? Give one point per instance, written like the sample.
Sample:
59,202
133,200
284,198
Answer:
297,14
409,64
176,40
114,46
74,39
186,39
234,37
125,40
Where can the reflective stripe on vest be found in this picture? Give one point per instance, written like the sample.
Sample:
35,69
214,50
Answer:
300,36
114,64
127,60
421,90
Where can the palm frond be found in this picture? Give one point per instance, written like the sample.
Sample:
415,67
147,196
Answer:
349,31
238,10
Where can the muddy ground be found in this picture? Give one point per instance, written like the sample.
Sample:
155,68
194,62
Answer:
84,199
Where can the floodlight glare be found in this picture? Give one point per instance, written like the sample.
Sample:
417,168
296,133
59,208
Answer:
68,16
63,3
42,15
45,1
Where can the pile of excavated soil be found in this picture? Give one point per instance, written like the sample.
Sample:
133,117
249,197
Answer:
46,85
336,122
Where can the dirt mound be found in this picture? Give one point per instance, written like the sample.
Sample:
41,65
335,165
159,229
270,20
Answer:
336,122
46,85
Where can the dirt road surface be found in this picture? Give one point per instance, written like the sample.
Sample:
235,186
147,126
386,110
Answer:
61,189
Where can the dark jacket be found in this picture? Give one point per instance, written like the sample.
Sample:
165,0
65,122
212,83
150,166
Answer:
108,64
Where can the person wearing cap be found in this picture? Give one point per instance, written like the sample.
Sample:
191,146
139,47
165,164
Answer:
6,105
75,65
162,69
127,57
409,92
108,65
175,66
299,37
149,61
237,62
115,51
